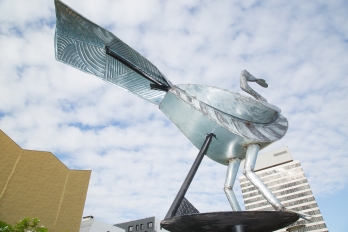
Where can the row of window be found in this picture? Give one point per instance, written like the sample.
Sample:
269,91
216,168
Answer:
141,227
286,198
288,185
292,190
298,195
256,205
275,182
316,227
282,169
279,193
303,222
281,175
292,203
276,187
299,202
312,212
304,207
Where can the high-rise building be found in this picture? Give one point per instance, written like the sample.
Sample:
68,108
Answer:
37,184
286,179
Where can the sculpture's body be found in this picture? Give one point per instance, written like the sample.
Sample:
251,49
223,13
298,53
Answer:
241,124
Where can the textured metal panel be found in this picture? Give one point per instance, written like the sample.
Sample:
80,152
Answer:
130,80
234,104
196,118
70,24
195,126
132,56
66,52
93,57
235,117
185,208
81,44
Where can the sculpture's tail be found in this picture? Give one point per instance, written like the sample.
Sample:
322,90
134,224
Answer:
92,49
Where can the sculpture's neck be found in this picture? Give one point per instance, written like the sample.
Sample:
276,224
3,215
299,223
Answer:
244,78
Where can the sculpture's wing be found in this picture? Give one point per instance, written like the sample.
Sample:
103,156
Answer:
92,49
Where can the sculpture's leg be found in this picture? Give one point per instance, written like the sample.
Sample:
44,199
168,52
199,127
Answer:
250,159
231,175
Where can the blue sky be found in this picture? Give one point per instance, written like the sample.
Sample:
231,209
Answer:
138,157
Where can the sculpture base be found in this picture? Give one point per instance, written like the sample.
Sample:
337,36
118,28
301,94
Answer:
239,221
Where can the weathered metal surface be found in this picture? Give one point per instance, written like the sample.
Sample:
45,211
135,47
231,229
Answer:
185,208
246,77
231,175
253,221
182,191
234,104
196,111
82,44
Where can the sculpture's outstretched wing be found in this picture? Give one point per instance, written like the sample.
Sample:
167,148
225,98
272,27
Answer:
92,49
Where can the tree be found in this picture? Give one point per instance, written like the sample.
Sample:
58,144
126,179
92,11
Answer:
25,225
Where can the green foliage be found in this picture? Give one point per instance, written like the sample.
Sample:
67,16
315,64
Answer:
4,227
25,225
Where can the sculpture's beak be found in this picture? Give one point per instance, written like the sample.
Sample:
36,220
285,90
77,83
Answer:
262,82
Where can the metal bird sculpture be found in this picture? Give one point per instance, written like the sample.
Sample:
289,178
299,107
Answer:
242,125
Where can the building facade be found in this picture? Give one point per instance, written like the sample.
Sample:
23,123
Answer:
287,180
90,224
37,184
150,224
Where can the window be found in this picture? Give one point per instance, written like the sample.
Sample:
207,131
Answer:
141,226
130,228
137,227
280,153
149,225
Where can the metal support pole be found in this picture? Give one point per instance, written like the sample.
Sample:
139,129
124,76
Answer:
176,203
238,228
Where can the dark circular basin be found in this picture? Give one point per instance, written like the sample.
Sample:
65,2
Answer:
251,221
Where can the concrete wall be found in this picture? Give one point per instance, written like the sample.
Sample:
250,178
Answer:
37,184
93,225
